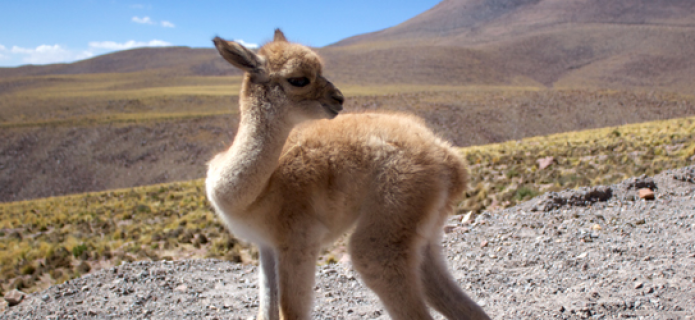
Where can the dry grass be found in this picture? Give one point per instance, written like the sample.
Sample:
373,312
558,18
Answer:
54,237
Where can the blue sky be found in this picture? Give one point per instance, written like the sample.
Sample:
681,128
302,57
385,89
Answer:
41,32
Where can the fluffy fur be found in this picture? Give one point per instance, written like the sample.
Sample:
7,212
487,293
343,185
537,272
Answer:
294,179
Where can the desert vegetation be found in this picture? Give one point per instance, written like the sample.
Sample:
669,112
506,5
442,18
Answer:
50,240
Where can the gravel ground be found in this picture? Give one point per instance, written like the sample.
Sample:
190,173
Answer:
598,253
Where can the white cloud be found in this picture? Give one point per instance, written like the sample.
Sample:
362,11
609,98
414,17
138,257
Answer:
167,24
111,45
246,44
143,20
45,54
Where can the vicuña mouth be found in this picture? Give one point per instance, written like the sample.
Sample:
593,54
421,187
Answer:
333,112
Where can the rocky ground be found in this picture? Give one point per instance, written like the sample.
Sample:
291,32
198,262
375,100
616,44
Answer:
599,253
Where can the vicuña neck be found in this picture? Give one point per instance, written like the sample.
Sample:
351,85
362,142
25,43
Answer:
253,156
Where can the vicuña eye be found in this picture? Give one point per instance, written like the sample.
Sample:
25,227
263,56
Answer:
299,81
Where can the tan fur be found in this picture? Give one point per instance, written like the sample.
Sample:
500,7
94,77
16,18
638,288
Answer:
292,186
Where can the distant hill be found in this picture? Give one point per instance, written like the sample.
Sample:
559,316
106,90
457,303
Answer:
616,43
556,43
169,60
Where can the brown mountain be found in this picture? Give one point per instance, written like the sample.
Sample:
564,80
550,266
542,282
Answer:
616,43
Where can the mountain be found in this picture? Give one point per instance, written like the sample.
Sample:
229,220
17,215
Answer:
616,43
555,43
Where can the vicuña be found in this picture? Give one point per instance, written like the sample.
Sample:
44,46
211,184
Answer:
297,176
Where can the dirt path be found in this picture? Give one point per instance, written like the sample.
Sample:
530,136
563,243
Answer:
582,258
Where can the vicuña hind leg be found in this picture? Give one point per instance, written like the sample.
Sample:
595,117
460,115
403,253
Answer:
442,292
384,250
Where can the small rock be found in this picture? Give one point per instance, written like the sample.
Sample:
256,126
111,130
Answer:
449,228
639,285
582,255
596,227
14,297
45,297
646,194
467,217
484,244
181,288
3,305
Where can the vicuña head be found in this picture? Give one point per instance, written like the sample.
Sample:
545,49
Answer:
292,186
291,74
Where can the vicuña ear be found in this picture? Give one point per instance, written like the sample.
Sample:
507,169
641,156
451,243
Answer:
243,58
279,36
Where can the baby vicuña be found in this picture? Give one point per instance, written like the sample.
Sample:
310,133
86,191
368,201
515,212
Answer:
297,177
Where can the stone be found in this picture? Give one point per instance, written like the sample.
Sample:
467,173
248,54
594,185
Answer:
646,194
181,288
14,297
466,218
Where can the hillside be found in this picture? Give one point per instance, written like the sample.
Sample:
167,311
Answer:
50,240
475,70
64,145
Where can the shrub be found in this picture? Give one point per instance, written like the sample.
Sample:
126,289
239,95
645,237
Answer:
78,250
524,193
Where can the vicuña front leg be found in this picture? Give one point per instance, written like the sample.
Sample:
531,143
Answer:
268,284
296,268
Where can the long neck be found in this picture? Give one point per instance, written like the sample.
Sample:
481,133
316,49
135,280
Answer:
244,170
